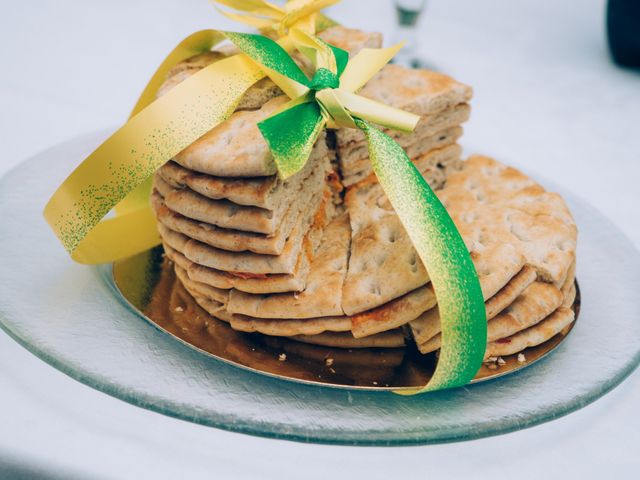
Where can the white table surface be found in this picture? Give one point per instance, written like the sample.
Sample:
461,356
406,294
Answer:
547,98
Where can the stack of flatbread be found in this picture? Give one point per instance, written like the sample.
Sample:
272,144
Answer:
322,257
441,103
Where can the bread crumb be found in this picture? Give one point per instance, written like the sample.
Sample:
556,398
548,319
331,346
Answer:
521,358
282,357
501,361
328,362
492,366
179,309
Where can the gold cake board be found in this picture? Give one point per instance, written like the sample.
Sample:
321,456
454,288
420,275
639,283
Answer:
148,284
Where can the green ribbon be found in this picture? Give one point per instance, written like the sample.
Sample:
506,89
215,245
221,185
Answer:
291,134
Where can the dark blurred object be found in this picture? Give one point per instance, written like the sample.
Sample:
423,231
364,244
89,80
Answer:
623,30
408,14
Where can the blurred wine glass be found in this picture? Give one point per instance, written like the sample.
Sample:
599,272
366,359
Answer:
408,14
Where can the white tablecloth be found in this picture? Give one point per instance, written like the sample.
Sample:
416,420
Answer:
547,99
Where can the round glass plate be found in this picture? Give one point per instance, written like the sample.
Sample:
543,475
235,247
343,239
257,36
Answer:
70,316
148,284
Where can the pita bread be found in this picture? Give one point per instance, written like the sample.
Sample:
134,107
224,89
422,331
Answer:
176,257
538,301
532,336
295,223
274,327
264,192
428,126
383,264
248,262
274,283
245,262
355,165
418,91
229,215
216,294
491,203
259,284
389,339
234,148
510,291
382,319
226,281
569,288
323,293
427,326
393,314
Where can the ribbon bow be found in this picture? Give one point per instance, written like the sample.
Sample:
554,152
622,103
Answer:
327,99
273,19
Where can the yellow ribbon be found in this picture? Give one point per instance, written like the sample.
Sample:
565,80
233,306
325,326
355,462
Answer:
269,18
117,174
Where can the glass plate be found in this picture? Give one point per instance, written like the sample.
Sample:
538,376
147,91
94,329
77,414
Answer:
69,315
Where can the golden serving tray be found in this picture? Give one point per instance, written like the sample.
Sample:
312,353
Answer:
148,284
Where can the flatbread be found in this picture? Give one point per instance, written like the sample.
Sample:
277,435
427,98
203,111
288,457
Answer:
382,319
216,294
510,291
538,301
532,336
244,262
383,263
221,213
393,314
323,293
422,92
259,284
491,203
264,192
235,147
294,224
428,126
390,339
427,325
569,287
229,215
355,164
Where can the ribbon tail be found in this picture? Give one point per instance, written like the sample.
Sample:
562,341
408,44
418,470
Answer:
444,255
291,135
365,65
376,112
